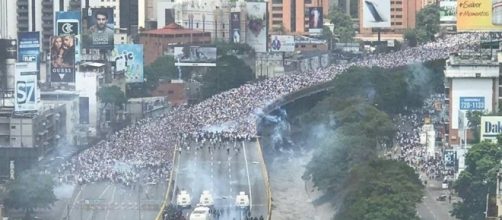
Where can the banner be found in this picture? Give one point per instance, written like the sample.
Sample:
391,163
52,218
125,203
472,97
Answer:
450,158
235,27
491,126
472,103
447,11
315,20
29,48
129,60
282,43
100,29
195,56
63,59
256,27
27,95
68,23
479,15
376,13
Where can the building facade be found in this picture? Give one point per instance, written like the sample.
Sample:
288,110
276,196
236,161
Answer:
291,16
472,84
70,100
157,42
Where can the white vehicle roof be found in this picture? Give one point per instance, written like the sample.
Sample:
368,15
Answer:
200,213
206,199
183,198
242,200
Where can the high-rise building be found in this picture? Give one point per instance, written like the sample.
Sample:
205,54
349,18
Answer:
32,15
291,16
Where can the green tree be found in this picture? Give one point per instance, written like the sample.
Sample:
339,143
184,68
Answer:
162,69
382,189
344,29
428,21
111,95
477,180
230,72
30,191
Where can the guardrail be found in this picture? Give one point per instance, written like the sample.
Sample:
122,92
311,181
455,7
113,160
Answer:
264,172
168,194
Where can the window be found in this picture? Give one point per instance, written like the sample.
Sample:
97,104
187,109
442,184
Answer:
276,15
13,127
314,46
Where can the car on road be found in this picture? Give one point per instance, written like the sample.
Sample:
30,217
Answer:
201,213
441,198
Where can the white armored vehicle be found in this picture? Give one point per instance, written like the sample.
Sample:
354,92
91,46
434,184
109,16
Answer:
183,199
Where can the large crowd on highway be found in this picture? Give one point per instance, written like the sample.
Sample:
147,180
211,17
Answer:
144,150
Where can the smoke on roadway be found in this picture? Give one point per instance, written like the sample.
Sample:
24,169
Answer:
64,191
293,198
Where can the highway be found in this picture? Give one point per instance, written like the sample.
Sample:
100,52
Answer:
202,167
107,201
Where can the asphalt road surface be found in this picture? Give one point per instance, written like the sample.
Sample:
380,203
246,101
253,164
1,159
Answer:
224,173
430,208
107,201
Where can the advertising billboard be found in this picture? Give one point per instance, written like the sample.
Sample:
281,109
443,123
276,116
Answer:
129,60
62,59
479,15
235,27
29,47
282,43
99,32
68,23
315,20
448,11
195,56
472,103
376,13
27,95
256,27
491,126
450,158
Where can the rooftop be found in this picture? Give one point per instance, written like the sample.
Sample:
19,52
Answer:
172,28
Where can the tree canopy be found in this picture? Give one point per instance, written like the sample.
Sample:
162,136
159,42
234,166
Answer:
112,95
428,20
355,115
30,191
477,180
384,189
344,29
230,72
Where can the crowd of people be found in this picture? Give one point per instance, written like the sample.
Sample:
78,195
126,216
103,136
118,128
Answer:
149,144
429,163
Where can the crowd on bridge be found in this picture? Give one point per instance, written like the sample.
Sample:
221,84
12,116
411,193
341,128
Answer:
144,150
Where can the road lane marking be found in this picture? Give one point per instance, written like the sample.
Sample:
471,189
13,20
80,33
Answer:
247,172
111,202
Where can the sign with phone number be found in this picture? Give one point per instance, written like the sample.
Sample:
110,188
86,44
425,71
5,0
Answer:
472,103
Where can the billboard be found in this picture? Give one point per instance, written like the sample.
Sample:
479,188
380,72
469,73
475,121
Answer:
256,27
376,13
29,47
447,11
129,60
450,158
68,23
491,126
315,20
282,43
62,59
479,15
99,32
235,27
472,103
195,56
27,95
